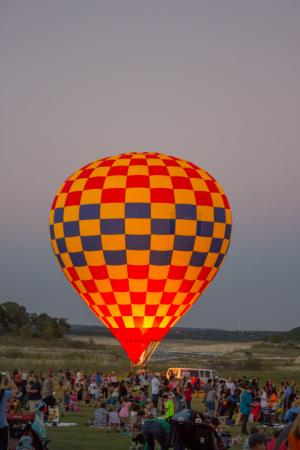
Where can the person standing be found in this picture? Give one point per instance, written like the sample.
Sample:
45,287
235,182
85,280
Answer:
34,393
92,389
210,400
124,412
47,391
104,387
288,391
207,387
188,391
179,400
168,406
155,387
230,386
245,408
7,390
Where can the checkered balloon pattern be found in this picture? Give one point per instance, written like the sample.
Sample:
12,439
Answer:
140,236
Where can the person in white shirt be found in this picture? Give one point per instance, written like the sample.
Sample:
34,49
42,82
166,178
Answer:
230,386
263,399
92,392
79,376
155,387
24,376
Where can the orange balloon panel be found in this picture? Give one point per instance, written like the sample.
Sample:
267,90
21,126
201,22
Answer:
140,236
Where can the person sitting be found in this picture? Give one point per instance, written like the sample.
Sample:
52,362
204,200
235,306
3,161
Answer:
26,441
292,413
258,441
294,435
101,417
223,439
138,441
253,430
273,443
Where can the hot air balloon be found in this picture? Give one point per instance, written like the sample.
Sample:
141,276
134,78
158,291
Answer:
140,236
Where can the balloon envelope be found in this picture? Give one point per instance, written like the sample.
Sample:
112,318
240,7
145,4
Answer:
140,236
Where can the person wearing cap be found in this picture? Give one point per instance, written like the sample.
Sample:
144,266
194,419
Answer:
258,441
7,390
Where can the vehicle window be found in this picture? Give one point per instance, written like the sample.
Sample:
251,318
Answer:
186,374
207,374
194,373
175,372
202,373
215,374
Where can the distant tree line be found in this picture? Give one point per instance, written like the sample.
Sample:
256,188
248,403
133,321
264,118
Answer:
14,319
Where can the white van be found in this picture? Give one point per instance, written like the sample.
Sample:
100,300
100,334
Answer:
188,372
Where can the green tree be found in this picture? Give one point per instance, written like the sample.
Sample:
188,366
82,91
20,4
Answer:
12,316
15,319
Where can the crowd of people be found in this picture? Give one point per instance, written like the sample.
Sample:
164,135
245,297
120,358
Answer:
146,404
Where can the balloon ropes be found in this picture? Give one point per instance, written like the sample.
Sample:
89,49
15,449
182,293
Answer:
140,236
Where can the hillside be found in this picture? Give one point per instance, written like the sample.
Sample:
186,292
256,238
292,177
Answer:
293,335
179,333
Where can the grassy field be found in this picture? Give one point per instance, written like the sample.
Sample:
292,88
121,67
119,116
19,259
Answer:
83,437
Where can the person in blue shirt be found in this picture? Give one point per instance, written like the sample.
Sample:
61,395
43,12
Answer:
287,396
7,390
291,414
245,407
98,378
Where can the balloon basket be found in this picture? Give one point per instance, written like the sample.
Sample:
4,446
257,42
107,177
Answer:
145,357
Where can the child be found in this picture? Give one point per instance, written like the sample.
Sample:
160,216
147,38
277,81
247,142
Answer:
73,401
168,407
92,392
113,420
124,412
